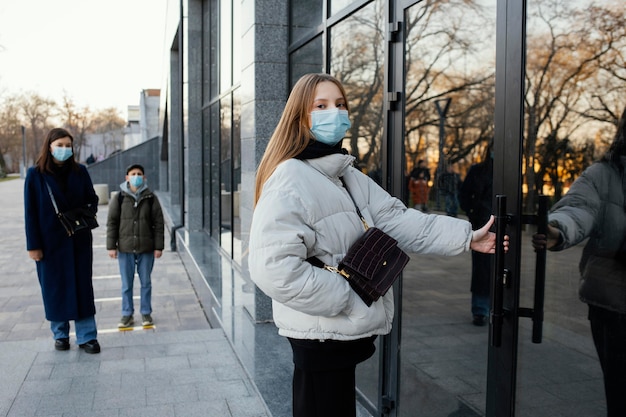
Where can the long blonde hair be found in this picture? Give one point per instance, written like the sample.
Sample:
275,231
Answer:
292,134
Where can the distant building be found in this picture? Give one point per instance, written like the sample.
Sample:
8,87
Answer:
143,120
142,123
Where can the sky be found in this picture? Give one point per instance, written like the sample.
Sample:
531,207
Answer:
102,54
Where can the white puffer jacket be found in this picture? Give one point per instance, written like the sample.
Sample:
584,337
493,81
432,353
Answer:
304,211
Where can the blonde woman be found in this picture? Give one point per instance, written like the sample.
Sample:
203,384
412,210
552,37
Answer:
303,210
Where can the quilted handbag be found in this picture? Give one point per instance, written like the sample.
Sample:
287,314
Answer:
372,264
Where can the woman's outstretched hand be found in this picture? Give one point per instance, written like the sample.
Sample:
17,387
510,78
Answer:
485,241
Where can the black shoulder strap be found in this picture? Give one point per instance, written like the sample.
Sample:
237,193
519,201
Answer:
355,205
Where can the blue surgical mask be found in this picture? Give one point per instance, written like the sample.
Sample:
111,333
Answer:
136,180
330,126
61,153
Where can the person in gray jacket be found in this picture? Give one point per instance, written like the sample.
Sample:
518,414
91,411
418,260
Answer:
135,237
302,210
595,208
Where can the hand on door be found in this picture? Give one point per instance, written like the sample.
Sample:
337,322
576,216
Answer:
485,241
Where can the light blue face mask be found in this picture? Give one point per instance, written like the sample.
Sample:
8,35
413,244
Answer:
330,126
135,180
61,154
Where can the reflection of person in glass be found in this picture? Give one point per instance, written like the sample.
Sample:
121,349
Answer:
418,186
595,208
449,184
475,199
302,211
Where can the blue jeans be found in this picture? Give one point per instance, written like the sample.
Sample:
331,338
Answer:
480,305
452,205
85,329
143,262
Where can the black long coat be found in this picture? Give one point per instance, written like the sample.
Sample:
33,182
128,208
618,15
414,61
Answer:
475,198
65,272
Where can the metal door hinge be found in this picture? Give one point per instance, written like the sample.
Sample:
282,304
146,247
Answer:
395,29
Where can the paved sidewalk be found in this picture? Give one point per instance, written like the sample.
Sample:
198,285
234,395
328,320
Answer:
182,367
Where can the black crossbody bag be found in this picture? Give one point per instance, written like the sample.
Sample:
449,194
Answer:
74,220
372,264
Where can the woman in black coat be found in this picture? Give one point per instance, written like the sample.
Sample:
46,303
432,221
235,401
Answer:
64,263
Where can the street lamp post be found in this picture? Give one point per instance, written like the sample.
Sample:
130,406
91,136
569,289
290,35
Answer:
442,109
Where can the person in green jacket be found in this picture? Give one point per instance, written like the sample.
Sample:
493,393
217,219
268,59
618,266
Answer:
135,238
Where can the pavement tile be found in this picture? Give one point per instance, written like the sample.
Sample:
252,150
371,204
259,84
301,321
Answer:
174,369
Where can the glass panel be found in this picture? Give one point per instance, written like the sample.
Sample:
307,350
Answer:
305,15
336,5
449,105
226,195
236,143
574,94
357,59
206,168
237,17
307,59
216,197
226,43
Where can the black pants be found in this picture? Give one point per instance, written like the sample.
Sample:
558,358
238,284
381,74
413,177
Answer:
609,335
324,376
324,393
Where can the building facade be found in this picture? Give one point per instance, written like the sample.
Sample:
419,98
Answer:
413,71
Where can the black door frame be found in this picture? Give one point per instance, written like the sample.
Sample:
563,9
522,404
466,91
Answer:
507,181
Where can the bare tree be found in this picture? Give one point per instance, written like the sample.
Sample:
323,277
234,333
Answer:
567,49
78,121
450,53
110,124
358,61
37,112
10,135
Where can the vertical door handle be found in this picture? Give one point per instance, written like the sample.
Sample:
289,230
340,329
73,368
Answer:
500,276
540,271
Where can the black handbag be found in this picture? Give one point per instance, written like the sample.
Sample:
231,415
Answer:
372,264
74,220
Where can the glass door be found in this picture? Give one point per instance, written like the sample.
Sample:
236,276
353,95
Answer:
448,51
560,91
533,85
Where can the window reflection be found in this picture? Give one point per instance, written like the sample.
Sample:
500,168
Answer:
236,140
305,16
449,58
307,59
226,180
226,45
450,55
214,143
336,5
574,93
575,86
357,59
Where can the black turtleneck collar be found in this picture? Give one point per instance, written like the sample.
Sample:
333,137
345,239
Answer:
317,149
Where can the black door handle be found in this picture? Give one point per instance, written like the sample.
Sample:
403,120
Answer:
500,276
540,271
